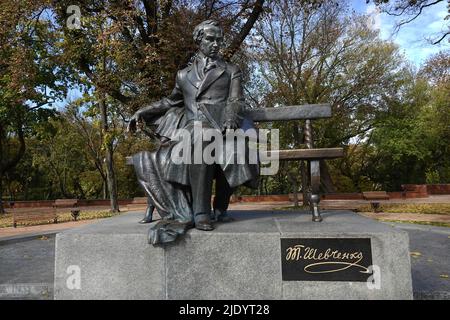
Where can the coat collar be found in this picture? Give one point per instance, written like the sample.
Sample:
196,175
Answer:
210,77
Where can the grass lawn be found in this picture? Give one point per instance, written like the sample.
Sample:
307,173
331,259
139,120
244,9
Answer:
422,208
398,208
426,223
6,220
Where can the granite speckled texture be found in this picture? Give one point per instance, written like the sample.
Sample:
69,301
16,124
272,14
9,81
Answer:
238,260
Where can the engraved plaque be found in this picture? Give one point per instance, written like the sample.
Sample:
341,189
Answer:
326,259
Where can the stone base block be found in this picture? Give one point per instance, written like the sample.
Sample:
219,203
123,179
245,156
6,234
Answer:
111,259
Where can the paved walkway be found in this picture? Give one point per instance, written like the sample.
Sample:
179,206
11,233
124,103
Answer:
7,233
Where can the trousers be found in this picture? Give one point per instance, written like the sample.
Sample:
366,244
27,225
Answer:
201,178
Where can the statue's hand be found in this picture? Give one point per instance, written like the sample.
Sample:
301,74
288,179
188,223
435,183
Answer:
135,119
230,124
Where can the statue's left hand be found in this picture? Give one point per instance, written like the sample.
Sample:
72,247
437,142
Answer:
230,124
135,119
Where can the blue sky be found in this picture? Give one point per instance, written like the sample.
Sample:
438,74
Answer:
412,37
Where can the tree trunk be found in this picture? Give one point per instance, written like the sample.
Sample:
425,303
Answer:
6,165
245,30
325,177
292,177
110,174
304,173
105,189
2,209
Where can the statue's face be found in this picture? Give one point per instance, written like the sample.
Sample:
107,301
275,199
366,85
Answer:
211,41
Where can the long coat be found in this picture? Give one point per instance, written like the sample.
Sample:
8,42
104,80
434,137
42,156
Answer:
213,99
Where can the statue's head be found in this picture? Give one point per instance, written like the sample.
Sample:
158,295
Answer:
208,35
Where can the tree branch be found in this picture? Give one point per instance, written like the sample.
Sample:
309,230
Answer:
237,41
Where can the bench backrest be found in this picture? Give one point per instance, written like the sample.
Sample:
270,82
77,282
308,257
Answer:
375,195
139,200
286,113
65,202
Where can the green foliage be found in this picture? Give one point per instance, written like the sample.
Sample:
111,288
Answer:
392,121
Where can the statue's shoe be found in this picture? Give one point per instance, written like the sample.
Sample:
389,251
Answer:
203,222
148,215
222,216
204,226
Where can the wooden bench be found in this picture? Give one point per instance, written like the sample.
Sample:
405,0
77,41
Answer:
374,198
65,203
42,214
311,154
138,203
139,200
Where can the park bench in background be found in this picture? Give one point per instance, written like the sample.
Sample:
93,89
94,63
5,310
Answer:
42,214
310,154
65,203
374,198
139,200
137,203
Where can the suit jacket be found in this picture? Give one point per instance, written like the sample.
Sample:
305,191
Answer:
216,98
213,100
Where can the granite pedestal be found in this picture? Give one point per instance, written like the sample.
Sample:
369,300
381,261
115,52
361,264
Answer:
111,259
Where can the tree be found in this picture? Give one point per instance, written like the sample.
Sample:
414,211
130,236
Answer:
29,79
57,153
321,54
412,142
130,51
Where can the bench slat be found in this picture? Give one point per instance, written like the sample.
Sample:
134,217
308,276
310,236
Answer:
375,195
307,111
34,216
298,154
65,203
307,154
139,200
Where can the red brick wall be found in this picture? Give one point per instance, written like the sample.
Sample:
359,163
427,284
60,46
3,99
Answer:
343,196
415,190
438,188
395,195
31,204
280,197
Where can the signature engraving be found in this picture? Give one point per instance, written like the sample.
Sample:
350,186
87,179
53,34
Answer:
344,261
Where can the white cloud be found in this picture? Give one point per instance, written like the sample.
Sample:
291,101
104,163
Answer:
374,17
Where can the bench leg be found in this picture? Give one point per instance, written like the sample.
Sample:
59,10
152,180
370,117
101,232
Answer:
315,184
